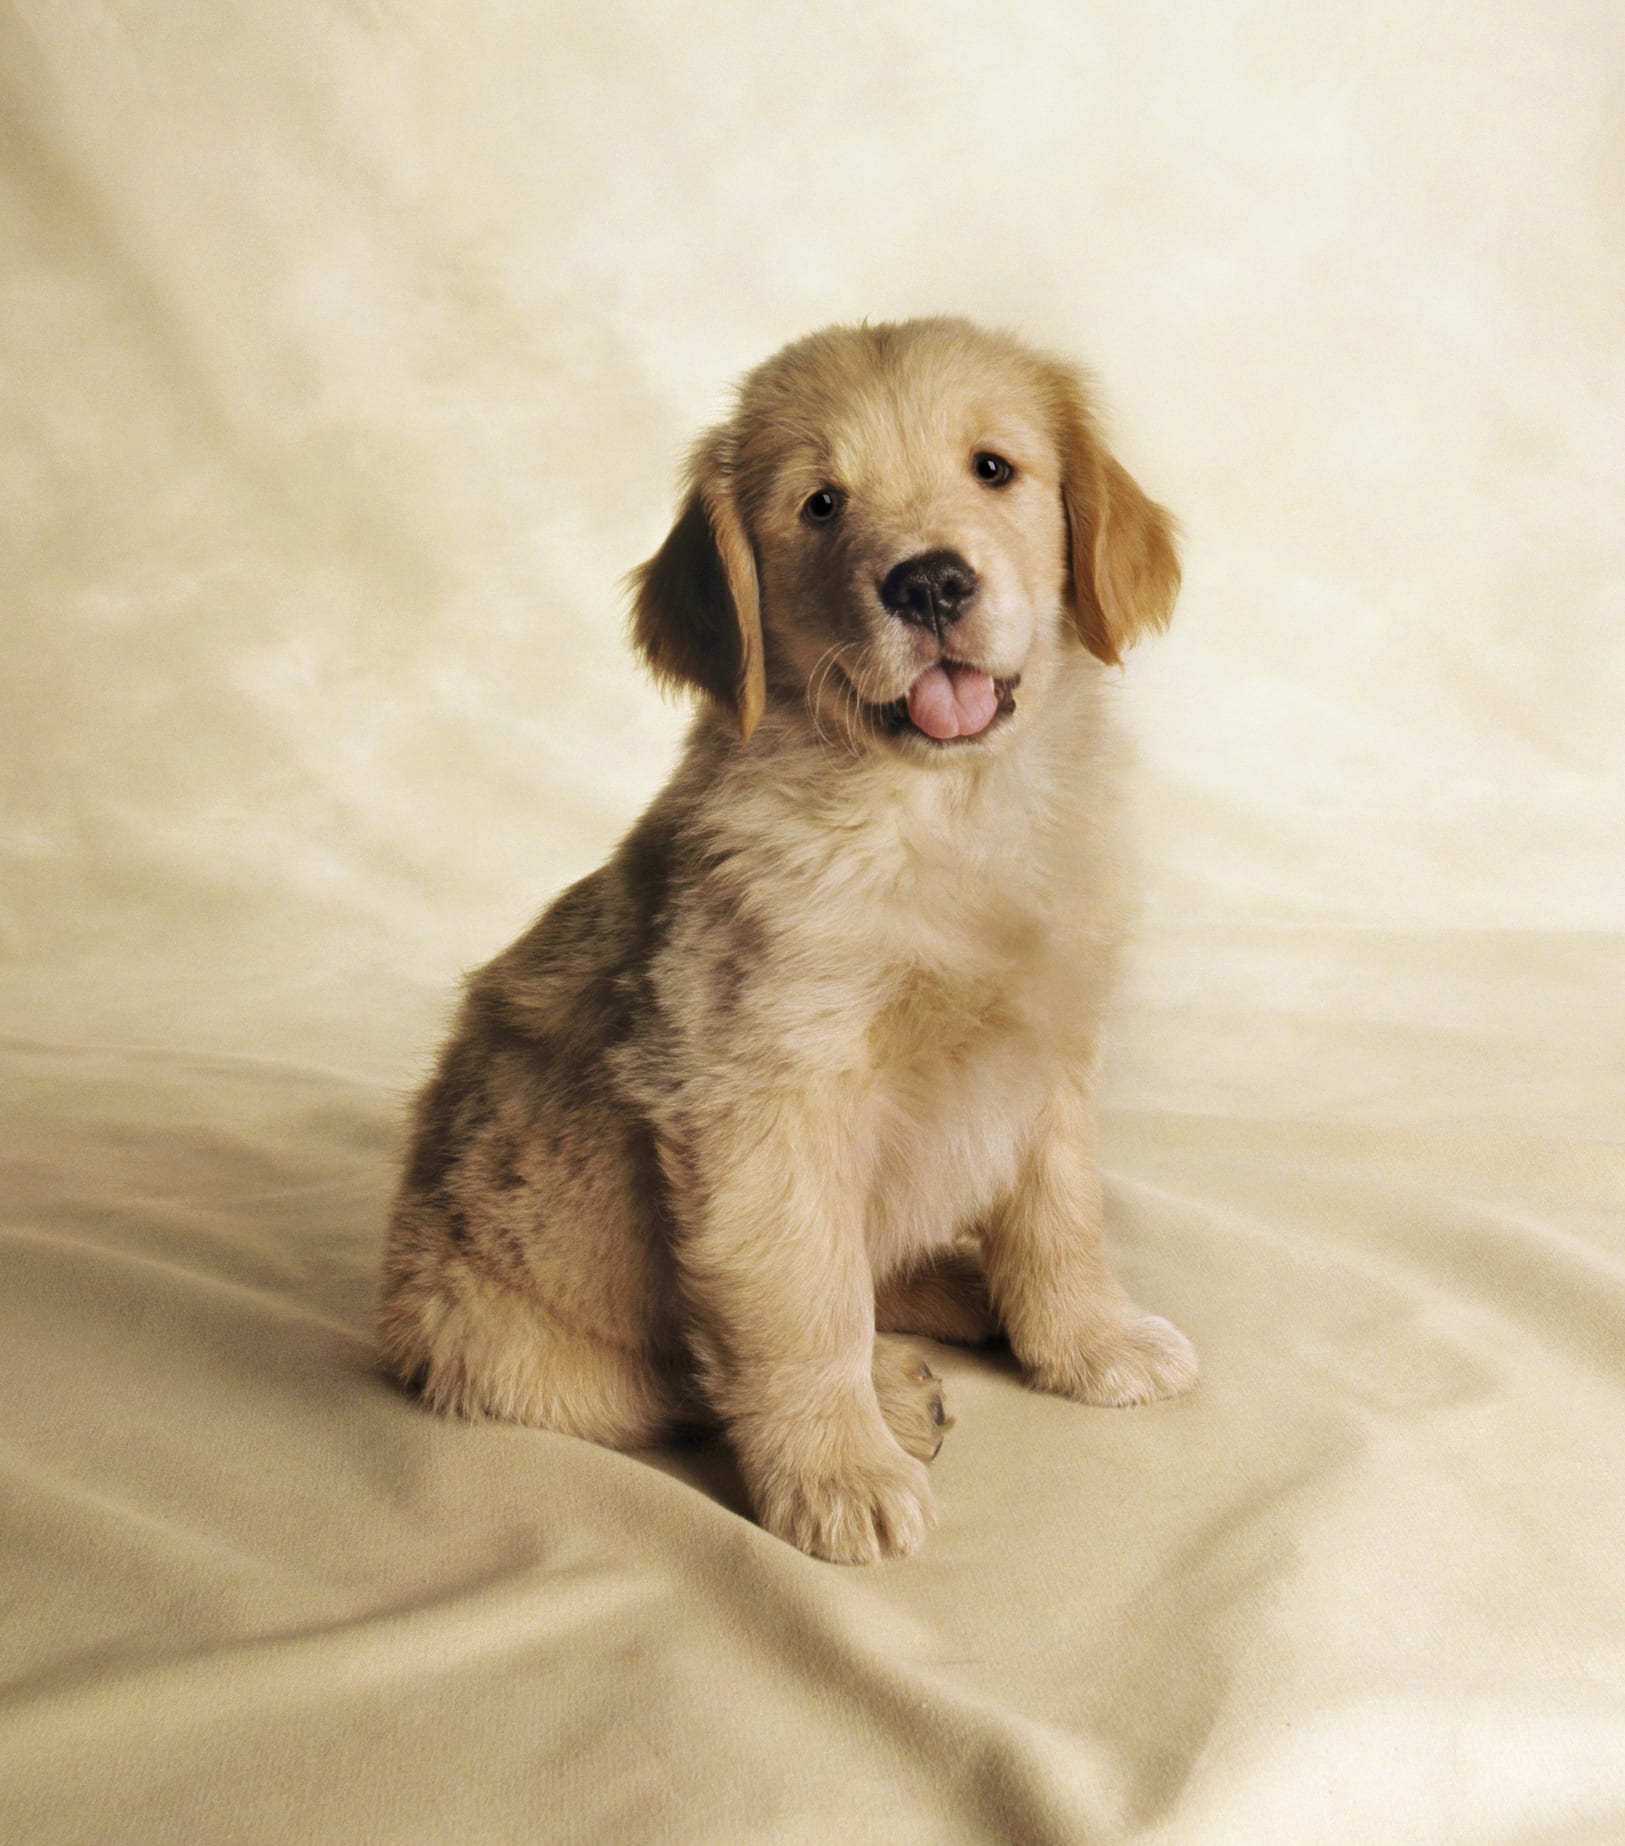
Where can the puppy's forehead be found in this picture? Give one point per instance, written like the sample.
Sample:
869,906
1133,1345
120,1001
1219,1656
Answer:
855,404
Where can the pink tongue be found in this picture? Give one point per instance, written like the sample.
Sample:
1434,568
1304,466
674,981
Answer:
945,705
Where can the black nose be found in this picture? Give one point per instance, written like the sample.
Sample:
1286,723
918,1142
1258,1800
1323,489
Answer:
931,590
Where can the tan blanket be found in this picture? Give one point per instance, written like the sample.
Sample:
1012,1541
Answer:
345,357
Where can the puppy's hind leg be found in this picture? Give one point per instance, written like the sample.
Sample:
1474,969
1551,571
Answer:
511,1363
474,1345
942,1297
911,1397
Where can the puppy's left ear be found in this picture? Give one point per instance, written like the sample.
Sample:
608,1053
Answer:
1125,569
696,610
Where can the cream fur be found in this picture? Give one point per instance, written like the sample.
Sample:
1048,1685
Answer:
820,1041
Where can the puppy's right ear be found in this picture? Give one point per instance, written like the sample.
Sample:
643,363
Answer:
696,612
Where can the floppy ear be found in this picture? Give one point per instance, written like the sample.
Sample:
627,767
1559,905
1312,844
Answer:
1125,570
696,615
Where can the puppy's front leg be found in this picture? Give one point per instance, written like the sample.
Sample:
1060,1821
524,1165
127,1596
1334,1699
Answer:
775,1265
1070,1323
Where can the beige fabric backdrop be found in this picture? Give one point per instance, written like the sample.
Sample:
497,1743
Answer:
346,354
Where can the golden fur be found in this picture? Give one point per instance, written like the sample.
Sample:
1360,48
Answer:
816,1050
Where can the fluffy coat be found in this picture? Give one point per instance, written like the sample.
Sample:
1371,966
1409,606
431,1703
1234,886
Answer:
815,1053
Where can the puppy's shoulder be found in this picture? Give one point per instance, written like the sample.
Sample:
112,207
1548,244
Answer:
579,956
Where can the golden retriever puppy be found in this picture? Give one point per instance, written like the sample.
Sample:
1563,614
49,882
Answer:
815,1053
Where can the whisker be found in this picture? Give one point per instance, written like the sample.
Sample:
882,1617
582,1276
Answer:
848,709
855,715
821,671
861,722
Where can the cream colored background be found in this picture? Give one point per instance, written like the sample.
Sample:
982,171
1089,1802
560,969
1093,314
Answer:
346,355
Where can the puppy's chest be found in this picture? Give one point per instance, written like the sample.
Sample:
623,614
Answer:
961,991
975,1019
946,1015
957,1066
966,965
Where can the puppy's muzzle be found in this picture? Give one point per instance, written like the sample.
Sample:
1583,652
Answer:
932,590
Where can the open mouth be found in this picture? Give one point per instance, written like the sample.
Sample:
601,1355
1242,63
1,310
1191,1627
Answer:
951,703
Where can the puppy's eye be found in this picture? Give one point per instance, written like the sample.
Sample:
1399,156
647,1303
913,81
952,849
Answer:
822,506
990,469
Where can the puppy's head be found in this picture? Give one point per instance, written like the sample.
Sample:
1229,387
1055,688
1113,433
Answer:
899,536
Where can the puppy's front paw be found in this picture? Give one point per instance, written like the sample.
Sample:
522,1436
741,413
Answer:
1132,1361
869,1506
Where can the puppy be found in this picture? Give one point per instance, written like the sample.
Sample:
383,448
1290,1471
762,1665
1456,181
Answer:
815,1053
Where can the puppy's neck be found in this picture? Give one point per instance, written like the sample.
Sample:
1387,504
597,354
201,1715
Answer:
977,808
